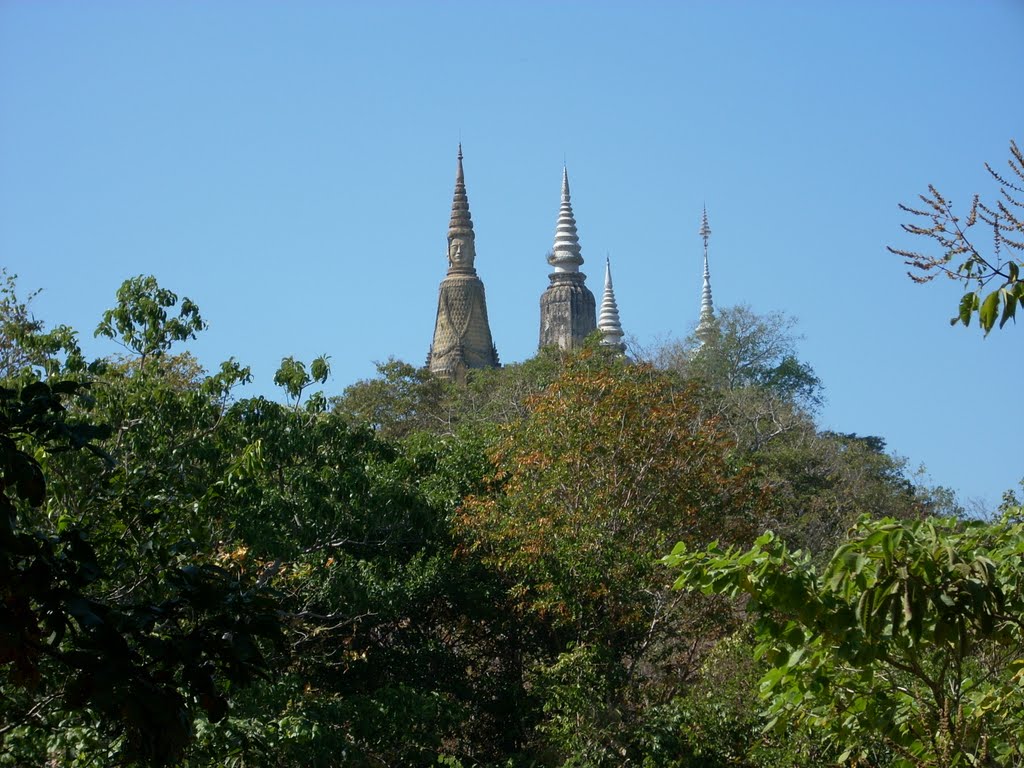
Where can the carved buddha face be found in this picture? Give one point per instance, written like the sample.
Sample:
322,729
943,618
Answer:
460,254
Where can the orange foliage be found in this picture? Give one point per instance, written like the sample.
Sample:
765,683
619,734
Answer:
611,467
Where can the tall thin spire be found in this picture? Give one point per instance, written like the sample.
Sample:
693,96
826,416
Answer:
707,328
608,321
461,238
565,255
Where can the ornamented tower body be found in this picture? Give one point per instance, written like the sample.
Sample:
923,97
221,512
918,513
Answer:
462,335
608,322
707,328
568,312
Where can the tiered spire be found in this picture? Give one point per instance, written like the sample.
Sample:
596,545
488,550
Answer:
461,238
608,322
707,328
568,311
462,335
565,256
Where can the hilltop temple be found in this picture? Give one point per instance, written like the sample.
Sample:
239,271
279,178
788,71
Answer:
568,311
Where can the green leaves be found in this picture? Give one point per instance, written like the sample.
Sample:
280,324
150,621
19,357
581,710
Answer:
750,351
907,621
136,635
960,259
968,306
141,321
292,377
1006,297
27,351
989,311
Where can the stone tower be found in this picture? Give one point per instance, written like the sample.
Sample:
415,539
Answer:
568,312
462,335
608,322
707,328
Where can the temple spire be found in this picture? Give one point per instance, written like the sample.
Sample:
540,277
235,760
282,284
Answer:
565,255
461,238
568,311
707,328
462,335
608,321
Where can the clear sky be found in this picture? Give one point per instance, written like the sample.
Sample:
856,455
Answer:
289,167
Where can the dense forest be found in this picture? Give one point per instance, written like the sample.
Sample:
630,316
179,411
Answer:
578,560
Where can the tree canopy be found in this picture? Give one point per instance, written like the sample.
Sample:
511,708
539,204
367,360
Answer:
912,632
417,572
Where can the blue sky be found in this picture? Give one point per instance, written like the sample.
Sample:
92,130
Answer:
289,167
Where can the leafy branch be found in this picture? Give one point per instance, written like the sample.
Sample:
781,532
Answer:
996,288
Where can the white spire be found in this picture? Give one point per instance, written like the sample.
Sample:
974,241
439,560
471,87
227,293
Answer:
707,307
565,256
707,328
608,323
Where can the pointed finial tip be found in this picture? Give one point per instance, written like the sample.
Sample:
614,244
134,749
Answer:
460,150
705,228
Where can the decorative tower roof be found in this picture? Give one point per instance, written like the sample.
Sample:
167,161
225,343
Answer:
608,322
707,328
565,255
568,311
461,238
462,335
